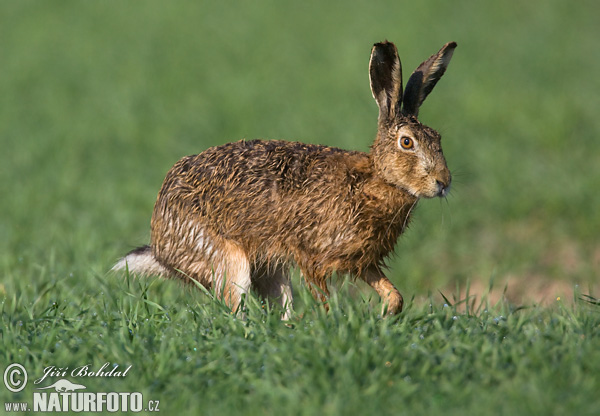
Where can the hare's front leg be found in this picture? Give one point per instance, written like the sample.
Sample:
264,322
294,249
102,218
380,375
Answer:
274,284
391,298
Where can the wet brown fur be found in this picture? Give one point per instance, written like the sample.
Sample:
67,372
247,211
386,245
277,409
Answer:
241,214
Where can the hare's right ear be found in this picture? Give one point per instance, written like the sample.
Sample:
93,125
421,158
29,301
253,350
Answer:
424,78
385,72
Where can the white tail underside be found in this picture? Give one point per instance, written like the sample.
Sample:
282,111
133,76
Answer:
141,263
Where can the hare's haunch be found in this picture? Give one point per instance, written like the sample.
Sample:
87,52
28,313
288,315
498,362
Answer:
240,215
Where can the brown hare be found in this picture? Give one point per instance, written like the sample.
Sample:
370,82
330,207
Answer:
238,216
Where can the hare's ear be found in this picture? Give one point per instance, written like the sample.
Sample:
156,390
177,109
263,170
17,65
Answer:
422,81
385,72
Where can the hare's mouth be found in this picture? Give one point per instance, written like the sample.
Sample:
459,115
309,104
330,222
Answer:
437,189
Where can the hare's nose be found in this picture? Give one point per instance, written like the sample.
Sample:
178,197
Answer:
443,187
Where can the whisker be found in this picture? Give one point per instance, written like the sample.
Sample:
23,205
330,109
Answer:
408,214
405,218
442,208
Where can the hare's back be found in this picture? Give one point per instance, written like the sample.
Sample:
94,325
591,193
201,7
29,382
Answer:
258,167
248,184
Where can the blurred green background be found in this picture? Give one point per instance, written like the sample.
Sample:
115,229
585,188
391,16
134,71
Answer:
99,99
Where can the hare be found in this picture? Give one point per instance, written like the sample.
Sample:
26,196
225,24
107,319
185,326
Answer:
238,216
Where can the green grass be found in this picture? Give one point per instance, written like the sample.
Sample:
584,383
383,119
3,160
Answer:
99,99
195,357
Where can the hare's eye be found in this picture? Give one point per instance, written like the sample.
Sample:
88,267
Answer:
406,142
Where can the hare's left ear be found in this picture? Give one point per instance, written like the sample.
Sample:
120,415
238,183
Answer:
422,81
385,73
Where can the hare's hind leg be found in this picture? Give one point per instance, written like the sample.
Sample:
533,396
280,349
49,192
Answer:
274,283
391,298
182,242
317,283
231,274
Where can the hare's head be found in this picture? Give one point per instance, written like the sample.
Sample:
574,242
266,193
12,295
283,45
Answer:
407,153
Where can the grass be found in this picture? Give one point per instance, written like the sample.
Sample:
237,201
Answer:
193,356
99,99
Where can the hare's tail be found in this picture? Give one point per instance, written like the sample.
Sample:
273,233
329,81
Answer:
141,261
